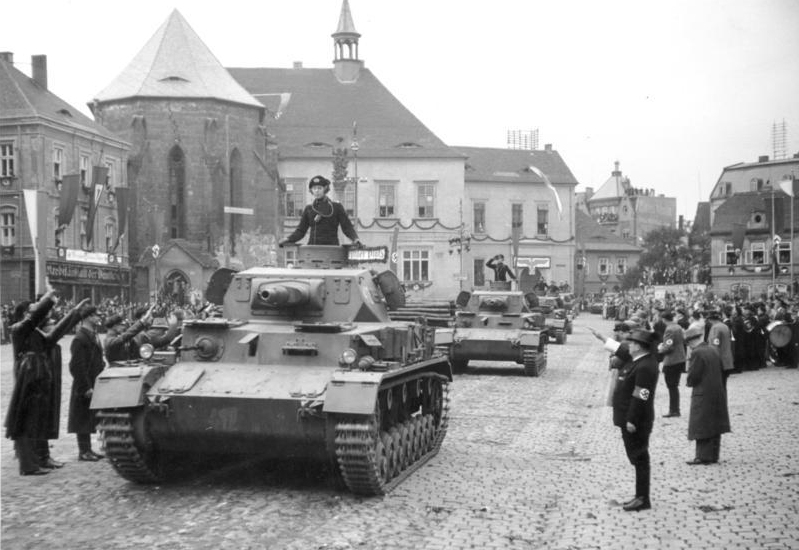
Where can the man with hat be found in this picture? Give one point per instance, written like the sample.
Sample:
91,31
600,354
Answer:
709,417
85,366
634,411
673,349
119,344
719,336
323,217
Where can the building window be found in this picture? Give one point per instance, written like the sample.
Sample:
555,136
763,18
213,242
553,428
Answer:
517,219
294,197
604,266
479,218
479,272
621,266
58,162
728,188
784,253
757,254
625,233
729,256
426,194
542,227
6,160
84,217
110,233
386,199
84,170
177,197
8,226
416,265
110,179
348,200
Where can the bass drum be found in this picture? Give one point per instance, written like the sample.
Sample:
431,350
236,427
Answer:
779,334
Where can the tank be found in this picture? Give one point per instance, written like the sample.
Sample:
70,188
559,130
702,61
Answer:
495,325
557,320
304,363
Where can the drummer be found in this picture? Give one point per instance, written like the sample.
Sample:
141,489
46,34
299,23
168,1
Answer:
719,337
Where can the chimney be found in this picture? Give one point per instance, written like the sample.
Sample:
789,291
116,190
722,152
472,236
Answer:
616,172
589,192
39,70
8,57
762,158
297,65
548,147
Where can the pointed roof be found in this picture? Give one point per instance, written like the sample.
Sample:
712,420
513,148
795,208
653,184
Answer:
614,187
345,24
310,108
176,63
23,98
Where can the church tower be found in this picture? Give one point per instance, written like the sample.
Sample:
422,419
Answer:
345,42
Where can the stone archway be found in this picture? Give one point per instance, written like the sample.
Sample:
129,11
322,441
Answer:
177,287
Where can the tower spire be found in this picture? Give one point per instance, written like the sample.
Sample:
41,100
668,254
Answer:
345,43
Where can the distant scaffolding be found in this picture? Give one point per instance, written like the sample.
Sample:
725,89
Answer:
523,139
779,138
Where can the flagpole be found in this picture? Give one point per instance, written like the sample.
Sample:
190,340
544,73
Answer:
774,251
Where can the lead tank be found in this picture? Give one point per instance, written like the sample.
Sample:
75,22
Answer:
304,364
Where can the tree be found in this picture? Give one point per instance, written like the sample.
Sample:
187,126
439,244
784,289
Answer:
667,258
632,278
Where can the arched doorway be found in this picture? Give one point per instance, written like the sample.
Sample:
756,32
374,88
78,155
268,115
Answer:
177,288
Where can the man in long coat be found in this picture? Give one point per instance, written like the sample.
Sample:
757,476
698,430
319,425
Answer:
709,416
719,337
85,366
120,343
33,414
673,350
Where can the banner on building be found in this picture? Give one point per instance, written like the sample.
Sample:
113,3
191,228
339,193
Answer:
70,187
123,202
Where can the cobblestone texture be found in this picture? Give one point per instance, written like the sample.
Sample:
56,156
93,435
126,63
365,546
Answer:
527,463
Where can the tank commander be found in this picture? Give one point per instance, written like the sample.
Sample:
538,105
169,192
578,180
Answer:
323,217
501,270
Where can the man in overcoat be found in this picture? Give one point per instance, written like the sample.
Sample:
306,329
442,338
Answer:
709,417
33,414
673,349
120,343
719,336
85,366
634,411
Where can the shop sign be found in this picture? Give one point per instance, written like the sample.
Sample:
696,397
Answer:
74,255
86,274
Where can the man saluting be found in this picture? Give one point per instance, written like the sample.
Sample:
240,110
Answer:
322,217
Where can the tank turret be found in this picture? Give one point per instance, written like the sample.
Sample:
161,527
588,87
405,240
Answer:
303,362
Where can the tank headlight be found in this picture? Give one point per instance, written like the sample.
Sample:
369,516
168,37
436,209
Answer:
348,357
146,351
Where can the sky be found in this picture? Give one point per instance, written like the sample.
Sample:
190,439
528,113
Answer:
673,90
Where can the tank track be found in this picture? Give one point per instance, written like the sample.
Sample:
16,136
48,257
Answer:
535,361
373,464
129,461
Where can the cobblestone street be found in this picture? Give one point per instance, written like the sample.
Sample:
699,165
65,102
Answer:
527,463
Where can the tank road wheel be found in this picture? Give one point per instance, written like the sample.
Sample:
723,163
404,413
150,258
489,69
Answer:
128,448
398,454
391,454
418,438
531,362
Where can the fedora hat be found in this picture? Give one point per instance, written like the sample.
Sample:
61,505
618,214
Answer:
693,332
644,337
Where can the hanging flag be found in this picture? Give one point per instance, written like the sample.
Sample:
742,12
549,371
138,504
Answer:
394,260
94,203
551,187
122,214
70,187
515,236
738,234
789,186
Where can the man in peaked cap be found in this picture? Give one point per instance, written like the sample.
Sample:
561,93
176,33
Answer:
323,217
634,410
119,344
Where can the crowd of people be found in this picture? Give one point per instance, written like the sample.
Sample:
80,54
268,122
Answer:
707,339
35,329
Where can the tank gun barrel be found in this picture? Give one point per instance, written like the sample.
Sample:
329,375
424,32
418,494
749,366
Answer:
282,295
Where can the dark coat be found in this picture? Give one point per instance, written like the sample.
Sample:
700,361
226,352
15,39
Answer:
122,346
501,271
709,415
634,396
85,366
323,217
35,407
